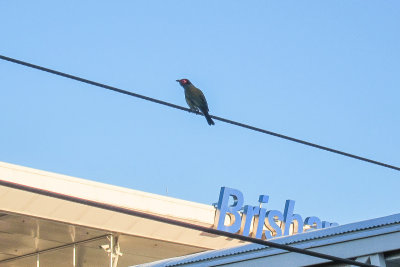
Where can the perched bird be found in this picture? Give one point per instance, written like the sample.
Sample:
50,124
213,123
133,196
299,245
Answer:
195,99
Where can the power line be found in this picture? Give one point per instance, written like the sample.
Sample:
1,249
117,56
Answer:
180,223
186,109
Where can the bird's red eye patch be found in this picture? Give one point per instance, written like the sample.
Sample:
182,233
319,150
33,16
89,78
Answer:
183,81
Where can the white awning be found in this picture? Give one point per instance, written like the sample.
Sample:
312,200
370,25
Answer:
36,214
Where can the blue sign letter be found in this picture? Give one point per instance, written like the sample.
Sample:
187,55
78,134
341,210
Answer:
233,210
272,226
247,218
289,218
313,222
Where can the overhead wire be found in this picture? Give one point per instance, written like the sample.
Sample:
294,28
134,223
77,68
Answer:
115,89
179,223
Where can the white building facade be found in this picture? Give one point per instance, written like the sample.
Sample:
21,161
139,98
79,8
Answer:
48,219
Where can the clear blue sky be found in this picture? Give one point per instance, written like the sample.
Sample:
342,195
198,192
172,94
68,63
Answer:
322,71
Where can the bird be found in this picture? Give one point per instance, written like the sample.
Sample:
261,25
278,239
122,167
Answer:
195,99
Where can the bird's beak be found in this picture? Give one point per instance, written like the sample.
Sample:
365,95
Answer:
178,81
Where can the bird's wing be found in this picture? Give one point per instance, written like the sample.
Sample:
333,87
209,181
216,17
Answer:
190,103
203,99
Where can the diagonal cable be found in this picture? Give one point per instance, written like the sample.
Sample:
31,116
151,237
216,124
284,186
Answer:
186,109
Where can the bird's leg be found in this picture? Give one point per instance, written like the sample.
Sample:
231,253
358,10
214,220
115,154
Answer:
194,110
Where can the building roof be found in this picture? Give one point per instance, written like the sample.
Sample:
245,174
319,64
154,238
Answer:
41,210
342,233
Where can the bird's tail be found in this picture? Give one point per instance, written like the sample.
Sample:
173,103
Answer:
209,120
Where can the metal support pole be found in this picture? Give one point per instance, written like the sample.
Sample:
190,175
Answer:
117,251
37,260
74,256
111,250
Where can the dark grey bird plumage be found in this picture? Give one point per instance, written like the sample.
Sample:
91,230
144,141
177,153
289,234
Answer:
195,99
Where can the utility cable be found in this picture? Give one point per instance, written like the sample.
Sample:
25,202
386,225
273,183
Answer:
174,222
186,109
